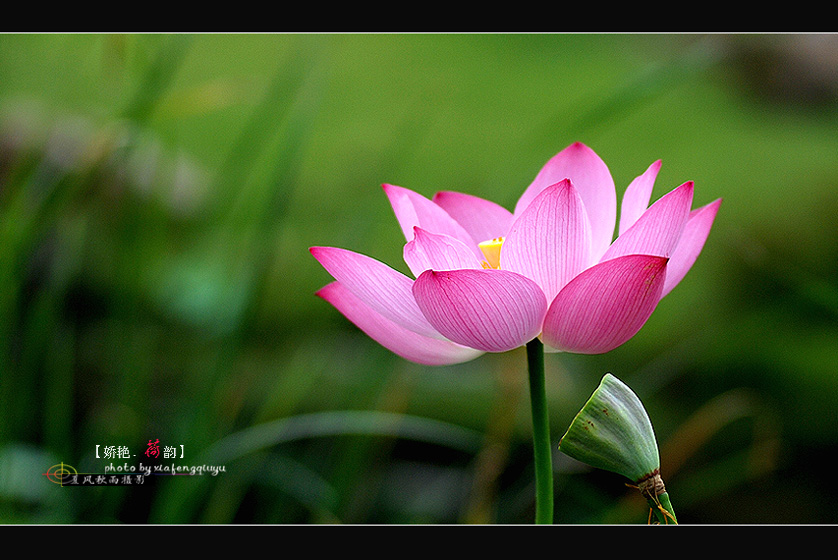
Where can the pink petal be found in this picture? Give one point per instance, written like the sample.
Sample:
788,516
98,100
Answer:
658,229
481,218
690,245
605,305
413,209
490,310
378,286
637,196
550,242
591,176
397,339
430,251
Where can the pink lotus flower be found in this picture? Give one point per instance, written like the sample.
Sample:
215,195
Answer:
490,280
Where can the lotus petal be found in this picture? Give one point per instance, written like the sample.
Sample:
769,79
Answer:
550,242
491,310
412,210
605,305
657,231
481,218
381,288
592,178
690,244
430,251
637,196
394,337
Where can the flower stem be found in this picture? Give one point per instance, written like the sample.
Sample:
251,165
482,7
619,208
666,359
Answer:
653,489
662,509
541,434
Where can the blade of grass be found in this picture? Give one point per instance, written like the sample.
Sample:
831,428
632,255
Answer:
314,425
158,78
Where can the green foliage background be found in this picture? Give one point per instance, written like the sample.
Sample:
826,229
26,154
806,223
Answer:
158,195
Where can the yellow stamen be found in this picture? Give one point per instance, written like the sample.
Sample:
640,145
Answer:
491,250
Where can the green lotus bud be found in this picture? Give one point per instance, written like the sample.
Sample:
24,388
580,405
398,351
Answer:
614,433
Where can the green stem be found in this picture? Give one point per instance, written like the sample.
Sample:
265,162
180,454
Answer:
541,434
663,510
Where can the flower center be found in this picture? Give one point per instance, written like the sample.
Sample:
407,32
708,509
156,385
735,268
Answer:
491,250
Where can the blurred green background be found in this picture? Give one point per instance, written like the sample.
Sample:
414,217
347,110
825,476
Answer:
159,193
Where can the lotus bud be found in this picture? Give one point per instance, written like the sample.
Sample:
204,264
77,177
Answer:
614,433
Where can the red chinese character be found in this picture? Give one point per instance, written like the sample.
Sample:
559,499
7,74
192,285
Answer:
153,449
